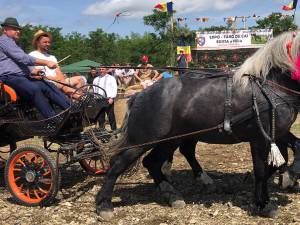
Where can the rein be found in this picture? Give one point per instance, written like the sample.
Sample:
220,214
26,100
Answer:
283,88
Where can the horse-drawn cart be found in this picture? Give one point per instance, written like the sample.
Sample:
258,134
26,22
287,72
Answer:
32,172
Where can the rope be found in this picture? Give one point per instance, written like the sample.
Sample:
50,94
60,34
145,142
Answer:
163,68
171,138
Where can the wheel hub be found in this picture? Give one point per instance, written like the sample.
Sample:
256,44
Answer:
30,176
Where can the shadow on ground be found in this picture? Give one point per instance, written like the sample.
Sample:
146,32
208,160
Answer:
232,189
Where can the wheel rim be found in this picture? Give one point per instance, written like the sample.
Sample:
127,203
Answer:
94,166
30,177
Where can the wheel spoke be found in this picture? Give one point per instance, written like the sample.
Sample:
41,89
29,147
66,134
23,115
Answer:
21,162
28,192
43,164
45,180
36,194
47,173
21,187
27,157
17,178
43,191
35,159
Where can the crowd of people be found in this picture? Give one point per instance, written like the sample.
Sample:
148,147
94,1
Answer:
116,77
37,77
134,78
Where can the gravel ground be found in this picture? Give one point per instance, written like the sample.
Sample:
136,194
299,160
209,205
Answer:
137,201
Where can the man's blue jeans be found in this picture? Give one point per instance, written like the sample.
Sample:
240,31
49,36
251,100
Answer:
37,92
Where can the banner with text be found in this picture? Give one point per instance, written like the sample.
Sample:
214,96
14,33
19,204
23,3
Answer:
231,39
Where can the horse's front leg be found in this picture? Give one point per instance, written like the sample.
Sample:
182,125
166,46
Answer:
153,162
259,151
119,164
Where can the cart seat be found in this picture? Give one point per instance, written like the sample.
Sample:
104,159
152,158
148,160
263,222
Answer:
7,93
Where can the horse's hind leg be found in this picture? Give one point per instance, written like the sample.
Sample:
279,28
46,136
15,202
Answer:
188,148
119,164
153,162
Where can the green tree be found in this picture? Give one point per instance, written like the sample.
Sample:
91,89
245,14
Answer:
278,22
214,28
159,21
164,48
75,44
102,47
169,33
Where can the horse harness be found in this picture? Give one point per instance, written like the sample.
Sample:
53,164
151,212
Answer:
229,119
228,104
269,94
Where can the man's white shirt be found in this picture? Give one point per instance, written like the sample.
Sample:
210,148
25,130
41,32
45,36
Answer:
108,83
49,72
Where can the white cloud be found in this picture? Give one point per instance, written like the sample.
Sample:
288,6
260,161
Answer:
139,8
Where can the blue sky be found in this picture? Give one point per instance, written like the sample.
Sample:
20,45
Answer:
88,15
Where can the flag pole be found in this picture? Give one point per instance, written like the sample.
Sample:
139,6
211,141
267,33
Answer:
294,15
172,39
295,8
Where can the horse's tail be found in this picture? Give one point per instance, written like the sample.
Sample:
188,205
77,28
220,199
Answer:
122,138
121,144
124,126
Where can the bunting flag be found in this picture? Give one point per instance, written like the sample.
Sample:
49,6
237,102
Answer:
204,19
290,6
255,16
165,7
226,19
201,19
186,51
180,19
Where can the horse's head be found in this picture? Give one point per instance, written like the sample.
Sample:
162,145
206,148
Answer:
281,52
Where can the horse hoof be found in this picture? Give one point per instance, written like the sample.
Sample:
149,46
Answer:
270,211
178,204
203,178
285,180
106,215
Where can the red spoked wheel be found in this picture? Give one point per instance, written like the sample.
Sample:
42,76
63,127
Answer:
93,166
31,176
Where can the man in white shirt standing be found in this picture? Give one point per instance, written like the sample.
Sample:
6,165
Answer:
109,84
